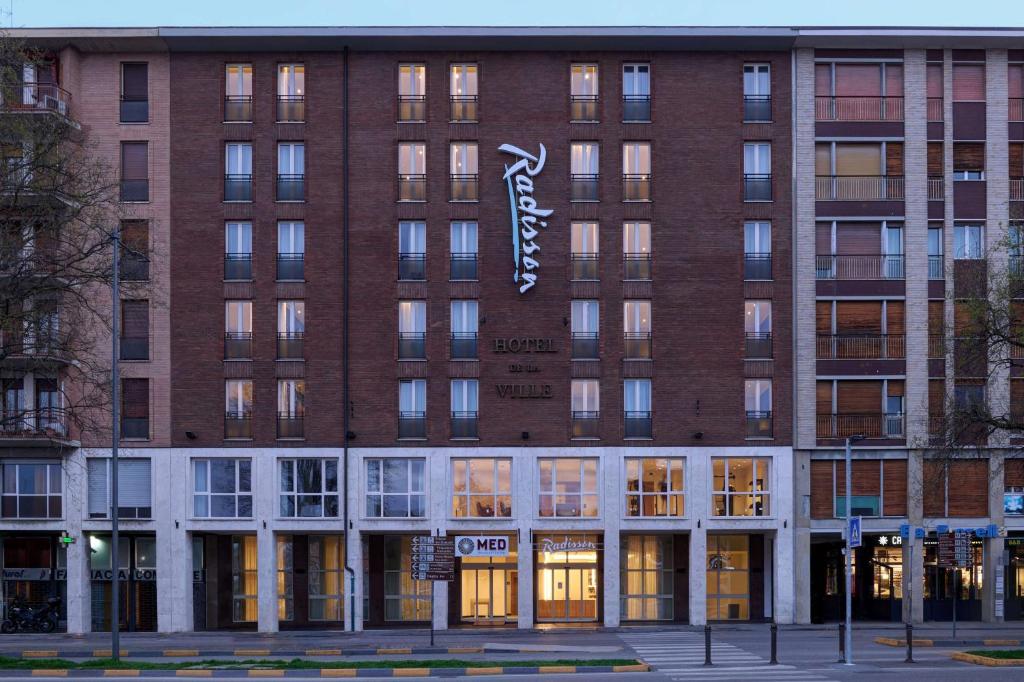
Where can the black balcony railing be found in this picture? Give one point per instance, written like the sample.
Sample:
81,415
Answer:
32,96
238,266
291,187
936,269
237,187
874,266
135,190
758,345
858,108
638,425
46,421
134,110
861,347
412,346
291,267
289,345
877,425
757,266
757,187
584,424
412,108
583,108
134,268
636,186
291,108
464,345
757,108
464,108
465,188
583,187
858,187
134,347
237,425
464,424
585,346
584,266
636,266
463,266
759,424
290,425
412,187
412,425
638,345
135,427
412,266
636,108
238,345
238,108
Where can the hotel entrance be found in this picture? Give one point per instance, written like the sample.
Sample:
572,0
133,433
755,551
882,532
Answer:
310,581
486,587
568,578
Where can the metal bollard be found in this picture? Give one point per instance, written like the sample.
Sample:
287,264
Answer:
910,644
707,645
775,649
842,643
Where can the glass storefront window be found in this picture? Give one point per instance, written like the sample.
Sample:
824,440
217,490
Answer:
326,577
396,488
567,588
285,573
489,587
646,577
244,584
888,573
728,577
482,487
741,486
654,486
568,487
405,599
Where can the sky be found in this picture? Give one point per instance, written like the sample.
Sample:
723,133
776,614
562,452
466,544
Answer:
81,13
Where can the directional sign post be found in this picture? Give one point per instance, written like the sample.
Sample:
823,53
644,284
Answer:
433,558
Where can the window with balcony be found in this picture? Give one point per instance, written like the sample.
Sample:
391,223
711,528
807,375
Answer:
757,171
584,245
936,165
567,487
636,93
291,171
237,93
464,93
134,251
481,488
936,330
935,91
856,91
636,251
860,330
584,171
134,171
412,409
870,408
412,92
134,340
49,414
238,251
583,93
757,250
291,329
222,488
585,329
637,329
465,407
396,487
309,488
237,409
968,241
464,171
134,92
968,82
464,327
740,486
412,171
291,408
655,486
135,409
758,402
1015,90
1015,249
134,488
586,408
31,490
968,160
1016,172
291,93
412,250
757,328
463,249
412,330
757,93
291,251
35,86
867,250
858,171
238,171
636,171
637,408
936,248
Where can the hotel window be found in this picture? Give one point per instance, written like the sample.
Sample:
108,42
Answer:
464,171
465,407
396,488
412,92
586,407
637,408
291,329
463,248
757,171
464,327
757,328
31,490
291,408
936,249
222,488
238,251
49,410
636,93
309,488
135,171
135,409
412,250
636,171
291,93
584,171
654,486
238,171
637,329
481,488
291,251
584,246
583,92
412,330
757,93
740,486
568,487
757,250
291,171
412,171
134,92
758,401
647,577
238,92
968,241
464,93
585,329
237,408
412,409
134,488
237,330
636,251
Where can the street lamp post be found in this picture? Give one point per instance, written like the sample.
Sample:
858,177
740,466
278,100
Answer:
848,648
115,431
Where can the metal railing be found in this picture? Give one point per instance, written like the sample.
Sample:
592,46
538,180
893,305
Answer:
134,347
289,345
134,268
757,108
638,345
758,345
464,108
936,188
584,266
291,187
757,266
584,424
32,96
237,345
412,107
935,113
858,187
844,267
412,425
759,424
290,425
291,267
291,108
464,345
1016,189
583,187
237,266
583,108
465,187
1015,266
135,427
134,110
238,108
237,187
1015,110
757,187
412,266
936,267
464,424
861,346
135,190
585,345
637,424
412,187
237,425
636,266
858,108
463,266
44,421
636,108
936,346
874,425
636,187
412,346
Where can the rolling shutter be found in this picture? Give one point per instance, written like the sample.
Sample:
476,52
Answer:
859,317
894,158
894,318
133,483
968,156
134,160
822,80
98,488
936,162
135,398
135,82
823,239
135,319
858,80
859,239
968,82
894,80
859,397
935,80
1016,160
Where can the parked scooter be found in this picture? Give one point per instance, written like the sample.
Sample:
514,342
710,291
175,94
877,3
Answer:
23,618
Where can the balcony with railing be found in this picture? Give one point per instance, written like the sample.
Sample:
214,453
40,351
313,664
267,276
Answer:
858,108
464,425
585,346
237,187
759,425
35,97
636,186
134,347
134,109
463,267
852,346
465,187
583,108
412,187
136,189
583,187
291,267
291,108
464,109
936,267
237,266
584,266
1015,110
636,108
858,187
412,425
637,424
238,345
290,425
290,345
412,267
237,425
872,426
412,108
936,188
238,109
464,346
584,424
44,426
863,267
412,346
757,187
1015,266
757,108
936,347
291,187
638,345
758,345
934,110
757,266
1016,189
636,266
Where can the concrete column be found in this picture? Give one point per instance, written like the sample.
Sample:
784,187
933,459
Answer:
610,587
913,559
783,559
947,232
79,587
526,573
266,549
799,572
994,572
173,548
997,211
698,576
354,559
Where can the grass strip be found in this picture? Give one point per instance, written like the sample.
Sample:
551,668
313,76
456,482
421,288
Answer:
1011,654
293,664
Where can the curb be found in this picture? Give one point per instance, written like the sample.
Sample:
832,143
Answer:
333,672
204,653
986,661
892,641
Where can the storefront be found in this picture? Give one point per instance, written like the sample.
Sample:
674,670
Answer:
735,577
486,586
877,570
569,577
949,588
137,574
653,580
225,587
34,569
391,598
310,581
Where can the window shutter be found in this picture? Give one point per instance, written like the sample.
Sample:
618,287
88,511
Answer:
936,163
862,317
135,319
133,483
1014,472
934,76
968,82
823,239
894,80
896,389
823,80
895,318
858,80
859,397
1016,159
135,398
135,236
859,239
936,398
98,487
134,160
936,317
823,317
1016,81
858,159
969,156
894,158
824,397
1016,412
135,82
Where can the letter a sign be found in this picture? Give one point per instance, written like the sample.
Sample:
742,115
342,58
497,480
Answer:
854,531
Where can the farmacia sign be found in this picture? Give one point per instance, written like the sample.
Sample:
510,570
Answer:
525,216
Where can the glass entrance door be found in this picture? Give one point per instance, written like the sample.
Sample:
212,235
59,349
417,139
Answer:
488,594
567,594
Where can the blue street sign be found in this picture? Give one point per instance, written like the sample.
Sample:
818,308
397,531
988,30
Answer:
854,531
905,531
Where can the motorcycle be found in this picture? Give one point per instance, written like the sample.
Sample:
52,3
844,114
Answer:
23,618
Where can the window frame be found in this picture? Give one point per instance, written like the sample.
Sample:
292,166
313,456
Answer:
640,494
409,493
325,492
467,496
752,493
209,494
962,244
16,464
583,494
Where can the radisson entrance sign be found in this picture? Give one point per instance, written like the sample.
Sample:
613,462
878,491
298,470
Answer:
524,214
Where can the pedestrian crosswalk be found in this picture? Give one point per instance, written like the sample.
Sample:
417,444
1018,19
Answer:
679,655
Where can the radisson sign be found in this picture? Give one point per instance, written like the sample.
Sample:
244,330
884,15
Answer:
524,214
